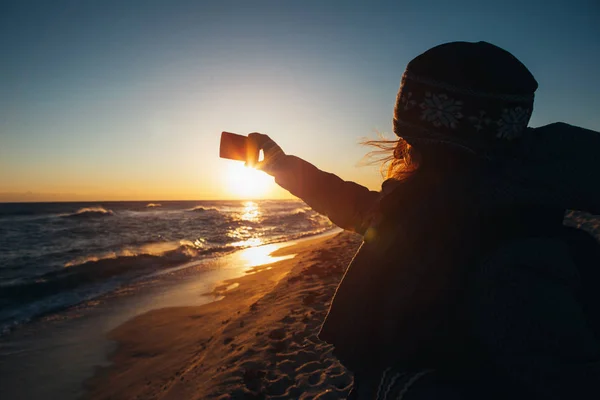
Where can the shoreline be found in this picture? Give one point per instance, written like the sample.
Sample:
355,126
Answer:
54,356
242,346
58,302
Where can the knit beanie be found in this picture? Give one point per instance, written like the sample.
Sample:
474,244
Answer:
472,96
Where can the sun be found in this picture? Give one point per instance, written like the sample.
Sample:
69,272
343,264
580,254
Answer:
248,183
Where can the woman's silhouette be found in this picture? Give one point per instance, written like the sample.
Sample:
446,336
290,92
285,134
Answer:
466,284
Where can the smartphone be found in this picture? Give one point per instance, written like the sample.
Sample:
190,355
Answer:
233,146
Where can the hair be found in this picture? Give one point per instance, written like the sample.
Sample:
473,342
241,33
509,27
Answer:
397,159
400,160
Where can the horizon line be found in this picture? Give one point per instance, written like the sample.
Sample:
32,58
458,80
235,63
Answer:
142,201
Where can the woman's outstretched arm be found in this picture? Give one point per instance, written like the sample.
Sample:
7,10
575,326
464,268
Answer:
347,204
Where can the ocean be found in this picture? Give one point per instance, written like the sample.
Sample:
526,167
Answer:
56,255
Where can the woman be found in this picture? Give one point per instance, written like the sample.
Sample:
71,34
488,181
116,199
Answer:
465,285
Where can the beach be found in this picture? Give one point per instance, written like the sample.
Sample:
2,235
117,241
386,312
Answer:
258,342
73,272
242,325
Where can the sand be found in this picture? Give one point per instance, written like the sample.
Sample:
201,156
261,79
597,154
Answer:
258,342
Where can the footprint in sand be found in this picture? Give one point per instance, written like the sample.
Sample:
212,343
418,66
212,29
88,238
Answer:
315,378
300,356
227,340
313,339
287,366
309,367
306,318
298,337
329,394
309,299
293,392
253,365
288,319
279,386
279,346
340,381
278,334
253,379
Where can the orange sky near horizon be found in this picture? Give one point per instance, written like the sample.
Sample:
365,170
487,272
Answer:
230,181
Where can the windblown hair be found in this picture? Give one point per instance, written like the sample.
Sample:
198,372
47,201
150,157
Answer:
400,160
397,158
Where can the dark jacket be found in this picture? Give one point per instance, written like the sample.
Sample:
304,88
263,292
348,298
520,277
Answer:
404,299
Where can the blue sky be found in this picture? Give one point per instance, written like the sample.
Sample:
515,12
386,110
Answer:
126,99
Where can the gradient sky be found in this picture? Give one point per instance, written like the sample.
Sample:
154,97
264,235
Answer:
116,100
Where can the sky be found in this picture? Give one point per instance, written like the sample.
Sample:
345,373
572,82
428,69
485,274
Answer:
125,100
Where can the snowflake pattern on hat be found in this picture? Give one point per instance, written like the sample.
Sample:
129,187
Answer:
484,123
480,121
441,110
407,101
512,123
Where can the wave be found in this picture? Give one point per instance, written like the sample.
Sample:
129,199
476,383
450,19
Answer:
297,217
200,209
125,264
88,277
81,275
151,249
152,205
286,224
215,228
90,212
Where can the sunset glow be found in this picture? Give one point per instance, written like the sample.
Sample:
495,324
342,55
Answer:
127,100
248,183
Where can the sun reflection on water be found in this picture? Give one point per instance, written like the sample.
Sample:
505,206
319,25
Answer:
255,256
256,252
251,212
247,235
252,242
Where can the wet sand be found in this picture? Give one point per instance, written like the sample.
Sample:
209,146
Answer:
258,342
54,356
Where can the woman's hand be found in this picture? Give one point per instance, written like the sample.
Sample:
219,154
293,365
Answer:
271,150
